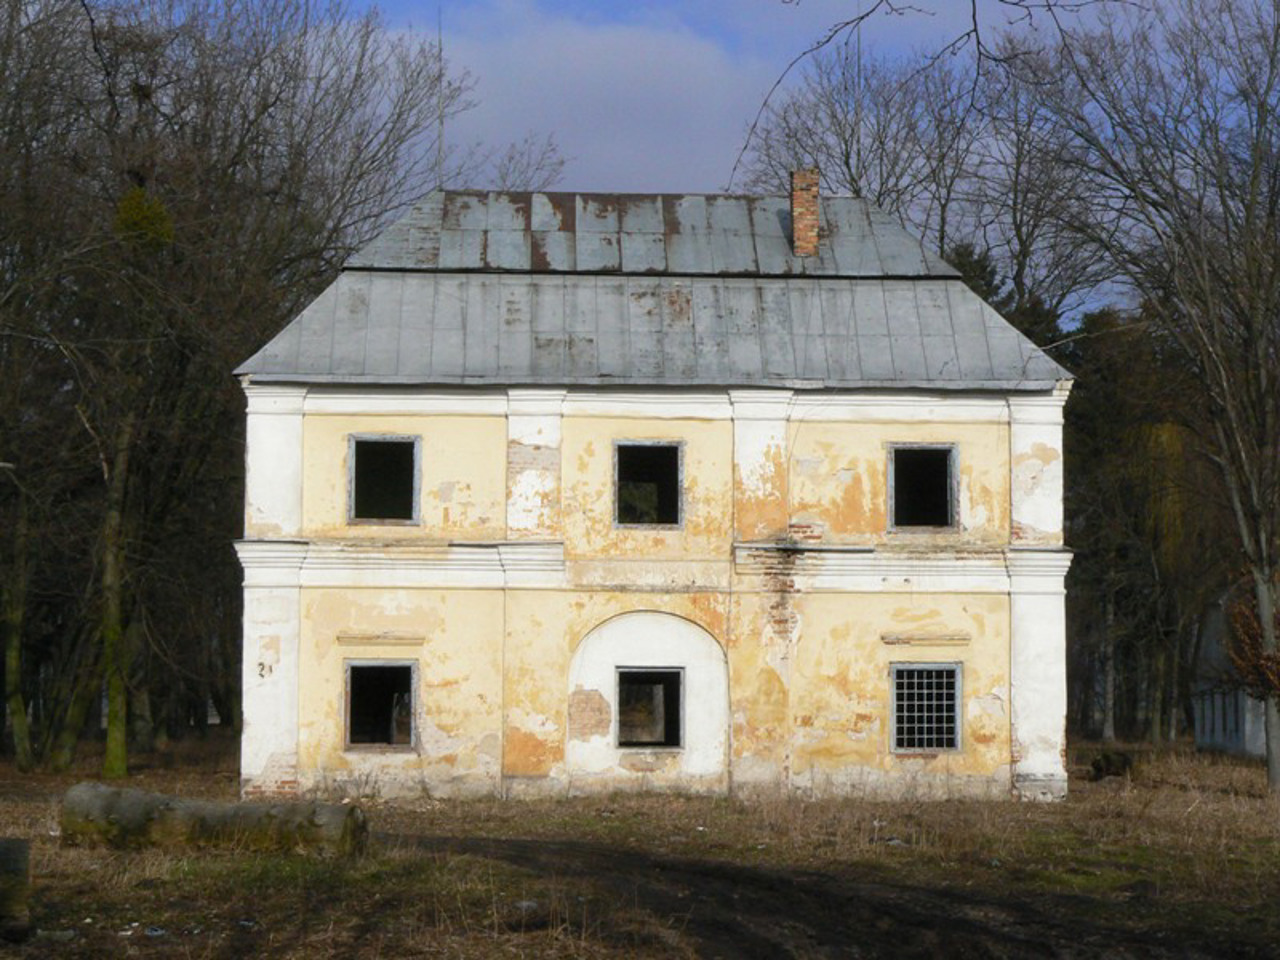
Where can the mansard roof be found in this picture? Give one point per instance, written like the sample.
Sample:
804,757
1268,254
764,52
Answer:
649,290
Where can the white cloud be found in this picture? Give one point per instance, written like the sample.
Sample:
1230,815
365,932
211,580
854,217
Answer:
638,107
651,95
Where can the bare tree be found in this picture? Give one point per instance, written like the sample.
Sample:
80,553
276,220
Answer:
1175,117
176,179
895,132
530,163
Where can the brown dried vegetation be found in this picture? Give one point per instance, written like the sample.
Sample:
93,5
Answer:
1182,858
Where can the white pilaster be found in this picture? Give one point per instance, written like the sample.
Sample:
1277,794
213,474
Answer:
272,628
1035,464
273,460
760,462
1038,672
533,464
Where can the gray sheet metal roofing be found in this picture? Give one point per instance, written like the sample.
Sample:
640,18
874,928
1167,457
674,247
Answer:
575,289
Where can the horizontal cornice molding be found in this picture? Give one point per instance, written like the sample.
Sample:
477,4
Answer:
707,404
542,565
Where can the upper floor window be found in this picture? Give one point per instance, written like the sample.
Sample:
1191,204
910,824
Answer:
384,479
647,484
922,485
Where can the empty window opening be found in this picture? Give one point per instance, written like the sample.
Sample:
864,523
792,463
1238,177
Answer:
648,708
922,485
380,704
383,479
648,489
926,704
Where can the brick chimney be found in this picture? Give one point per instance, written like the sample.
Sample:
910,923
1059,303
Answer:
804,212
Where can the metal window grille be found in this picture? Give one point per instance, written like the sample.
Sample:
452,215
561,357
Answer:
926,703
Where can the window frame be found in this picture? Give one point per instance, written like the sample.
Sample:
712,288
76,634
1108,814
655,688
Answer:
680,505
352,440
894,669
618,671
357,662
953,487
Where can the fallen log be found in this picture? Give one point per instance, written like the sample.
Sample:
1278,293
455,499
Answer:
96,814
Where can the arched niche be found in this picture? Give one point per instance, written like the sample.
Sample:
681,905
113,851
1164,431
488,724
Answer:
632,656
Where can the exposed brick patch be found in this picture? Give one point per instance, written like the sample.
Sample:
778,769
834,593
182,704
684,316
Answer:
804,212
589,715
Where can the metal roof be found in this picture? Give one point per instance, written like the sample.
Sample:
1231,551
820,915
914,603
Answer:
453,295
691,235
429,328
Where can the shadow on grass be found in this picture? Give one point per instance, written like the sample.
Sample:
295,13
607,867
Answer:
730,910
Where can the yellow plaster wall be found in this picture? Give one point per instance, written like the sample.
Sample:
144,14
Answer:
810,683
839,479
588,489
463,476
841,685
544,629
455,637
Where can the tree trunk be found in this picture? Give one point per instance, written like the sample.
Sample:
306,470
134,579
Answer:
87,688
15,596
1109,673
1155,695
115,762
1264,586
94,813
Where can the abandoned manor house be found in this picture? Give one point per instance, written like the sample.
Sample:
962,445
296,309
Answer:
555,493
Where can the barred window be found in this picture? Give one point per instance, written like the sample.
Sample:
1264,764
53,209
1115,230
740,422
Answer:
926,707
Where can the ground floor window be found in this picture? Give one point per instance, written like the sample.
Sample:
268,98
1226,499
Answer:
380,704
926,707
649,708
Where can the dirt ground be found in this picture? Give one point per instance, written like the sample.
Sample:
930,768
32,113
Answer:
1180,860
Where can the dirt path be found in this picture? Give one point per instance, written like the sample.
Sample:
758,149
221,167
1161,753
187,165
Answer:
730,911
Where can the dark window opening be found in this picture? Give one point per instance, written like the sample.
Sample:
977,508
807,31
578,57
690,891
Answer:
648,483
922,487
380,705
648,708
383,478
926,708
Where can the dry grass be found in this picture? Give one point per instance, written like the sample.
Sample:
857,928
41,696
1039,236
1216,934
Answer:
1185,851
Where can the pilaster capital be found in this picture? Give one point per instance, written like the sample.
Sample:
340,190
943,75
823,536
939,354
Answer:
274,398
763,404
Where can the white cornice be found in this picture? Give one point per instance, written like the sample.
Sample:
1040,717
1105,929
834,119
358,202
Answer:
742,404
274,398
876,572
462,565
1038,571
541,564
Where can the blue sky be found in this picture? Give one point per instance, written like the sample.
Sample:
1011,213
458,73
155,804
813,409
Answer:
647,95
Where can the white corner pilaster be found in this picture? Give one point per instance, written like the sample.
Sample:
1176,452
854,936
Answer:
760,462
533,464
1035,464
273,460
269,668
1038,672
